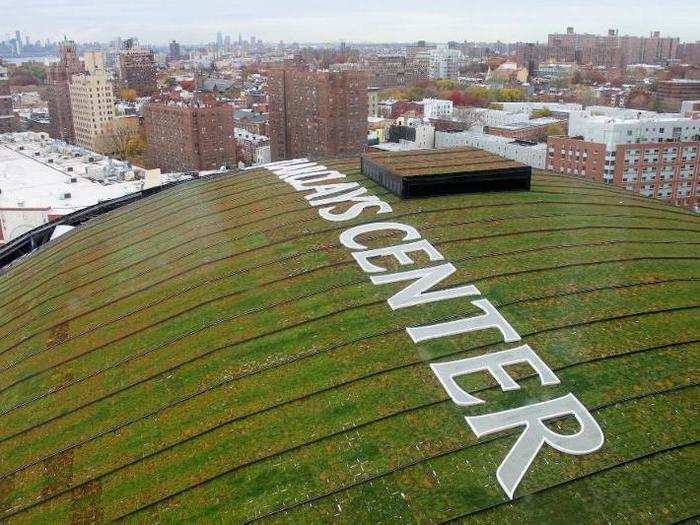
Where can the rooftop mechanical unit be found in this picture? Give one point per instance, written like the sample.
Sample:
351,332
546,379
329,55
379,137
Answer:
425,173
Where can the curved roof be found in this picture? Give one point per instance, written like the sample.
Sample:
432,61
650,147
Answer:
214,352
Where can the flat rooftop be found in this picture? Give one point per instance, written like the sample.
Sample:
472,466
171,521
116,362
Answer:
28,180
424,173
419,163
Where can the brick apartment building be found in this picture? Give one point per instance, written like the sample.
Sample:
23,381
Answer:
7,116
671,93
387,70
58,93
317,113
611,50
189,135
655,156
137,71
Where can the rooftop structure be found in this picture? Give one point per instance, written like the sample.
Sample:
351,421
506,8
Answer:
424,173
216,353
529,153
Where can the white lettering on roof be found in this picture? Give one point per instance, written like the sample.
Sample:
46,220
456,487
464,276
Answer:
301,175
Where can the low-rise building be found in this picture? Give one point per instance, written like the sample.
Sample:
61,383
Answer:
529,153
42,179
252,149
535,129
435,108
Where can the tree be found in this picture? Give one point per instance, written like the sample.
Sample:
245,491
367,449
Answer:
125,141
416,93
445,84
509,95
127,94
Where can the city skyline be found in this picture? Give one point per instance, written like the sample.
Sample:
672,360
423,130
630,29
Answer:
396,21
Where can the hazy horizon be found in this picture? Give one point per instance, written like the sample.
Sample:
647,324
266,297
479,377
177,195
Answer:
361,22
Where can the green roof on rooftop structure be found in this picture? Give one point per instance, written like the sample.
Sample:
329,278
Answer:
224,351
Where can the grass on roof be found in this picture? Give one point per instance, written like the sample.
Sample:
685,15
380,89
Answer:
213,353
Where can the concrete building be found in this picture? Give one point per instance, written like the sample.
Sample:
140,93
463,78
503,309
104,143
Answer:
534,155
7,116
92,103
416,131
58,92
317,113
670,94
373,101
655,155
189,133
435,63
137,71
435,108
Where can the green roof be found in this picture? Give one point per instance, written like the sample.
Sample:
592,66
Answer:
214,353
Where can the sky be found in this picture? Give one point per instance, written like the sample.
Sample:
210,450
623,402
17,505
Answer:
190,21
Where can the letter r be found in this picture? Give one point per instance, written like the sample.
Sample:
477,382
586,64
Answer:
588,439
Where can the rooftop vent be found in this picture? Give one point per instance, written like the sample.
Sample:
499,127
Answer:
65,196
425,173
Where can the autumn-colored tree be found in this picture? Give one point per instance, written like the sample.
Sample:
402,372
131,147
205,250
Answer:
445,84
509,95
415,93
128,94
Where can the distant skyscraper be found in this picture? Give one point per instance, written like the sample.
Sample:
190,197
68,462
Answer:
227,42
219,40
317,113
18,42
58,93
174,53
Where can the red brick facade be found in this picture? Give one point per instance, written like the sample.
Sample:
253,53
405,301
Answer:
58,95
7,117
197,135
576,157
317,113
668,170
137,71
